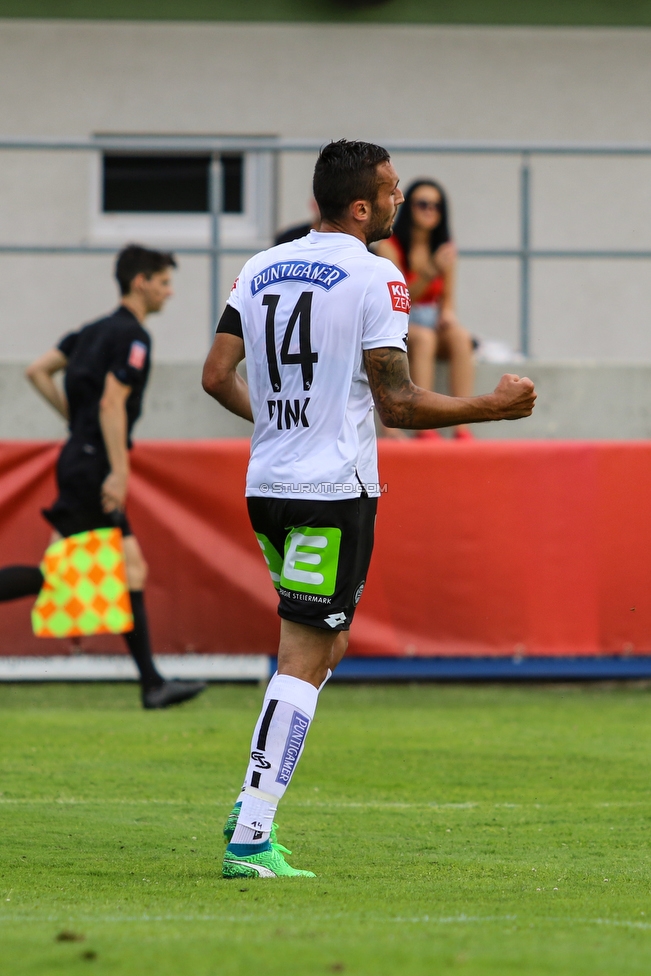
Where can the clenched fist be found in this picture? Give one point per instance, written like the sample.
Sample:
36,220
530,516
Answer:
514,397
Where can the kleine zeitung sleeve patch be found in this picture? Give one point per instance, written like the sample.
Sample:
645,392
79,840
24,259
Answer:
400,297
137,355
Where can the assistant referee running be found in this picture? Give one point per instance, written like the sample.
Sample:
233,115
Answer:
106,368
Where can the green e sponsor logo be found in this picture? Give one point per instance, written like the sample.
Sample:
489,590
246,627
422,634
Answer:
272,558
311,560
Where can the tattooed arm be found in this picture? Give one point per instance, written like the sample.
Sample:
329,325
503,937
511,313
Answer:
402,404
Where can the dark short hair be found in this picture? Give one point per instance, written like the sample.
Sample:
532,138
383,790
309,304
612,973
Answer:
345,172
441,234
134,260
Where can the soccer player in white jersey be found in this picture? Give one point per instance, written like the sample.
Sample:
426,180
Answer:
323,325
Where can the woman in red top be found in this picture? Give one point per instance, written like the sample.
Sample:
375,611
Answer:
421,247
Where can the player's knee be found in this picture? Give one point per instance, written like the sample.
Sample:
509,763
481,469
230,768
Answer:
142,572
339,648
461,337
421,342
137,572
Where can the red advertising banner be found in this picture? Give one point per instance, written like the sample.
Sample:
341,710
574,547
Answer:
482,549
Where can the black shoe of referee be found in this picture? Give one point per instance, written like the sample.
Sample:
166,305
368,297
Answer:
171,693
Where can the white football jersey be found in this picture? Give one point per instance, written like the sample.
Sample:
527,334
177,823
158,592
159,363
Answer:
309,309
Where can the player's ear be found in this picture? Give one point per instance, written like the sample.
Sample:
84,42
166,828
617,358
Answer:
137,282
360,209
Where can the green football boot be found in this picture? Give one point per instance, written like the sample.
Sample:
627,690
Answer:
231,823
267,864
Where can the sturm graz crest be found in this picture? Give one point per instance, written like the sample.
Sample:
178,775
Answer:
260,761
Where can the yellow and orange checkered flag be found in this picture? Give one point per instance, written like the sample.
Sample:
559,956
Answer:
85,589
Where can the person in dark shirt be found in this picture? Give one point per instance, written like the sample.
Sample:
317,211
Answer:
106,368
114,348
292,234
297,231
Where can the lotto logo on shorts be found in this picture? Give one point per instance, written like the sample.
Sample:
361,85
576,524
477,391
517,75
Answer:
400,297
137,355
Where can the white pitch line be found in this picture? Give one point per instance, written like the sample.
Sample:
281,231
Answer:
115,801
335,917
380,920
316,804
304,805
380,805
111,920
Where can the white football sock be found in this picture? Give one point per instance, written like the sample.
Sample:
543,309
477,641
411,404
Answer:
264,705
287,711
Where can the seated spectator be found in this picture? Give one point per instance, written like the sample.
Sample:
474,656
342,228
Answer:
422,248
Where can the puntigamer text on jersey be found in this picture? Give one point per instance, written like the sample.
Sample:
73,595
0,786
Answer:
325,275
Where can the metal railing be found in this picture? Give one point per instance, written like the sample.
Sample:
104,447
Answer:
217,145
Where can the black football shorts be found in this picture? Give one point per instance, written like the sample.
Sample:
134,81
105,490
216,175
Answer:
80,472
318,553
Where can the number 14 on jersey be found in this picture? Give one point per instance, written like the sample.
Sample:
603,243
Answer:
305,357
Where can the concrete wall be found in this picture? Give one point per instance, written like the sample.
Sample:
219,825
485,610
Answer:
176,407
313,80
67,78
575,401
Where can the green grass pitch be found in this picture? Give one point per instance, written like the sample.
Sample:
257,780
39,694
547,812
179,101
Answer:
472,830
